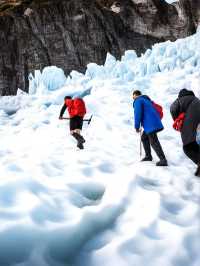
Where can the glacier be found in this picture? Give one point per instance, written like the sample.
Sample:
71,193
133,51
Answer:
60,206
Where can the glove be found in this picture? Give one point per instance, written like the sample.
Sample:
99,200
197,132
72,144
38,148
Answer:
60,117
138,130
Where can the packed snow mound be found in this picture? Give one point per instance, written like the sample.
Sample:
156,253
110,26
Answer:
99,206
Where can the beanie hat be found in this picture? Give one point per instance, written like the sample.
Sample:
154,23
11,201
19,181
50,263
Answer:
185,92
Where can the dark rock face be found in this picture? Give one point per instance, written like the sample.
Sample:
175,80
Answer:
72,33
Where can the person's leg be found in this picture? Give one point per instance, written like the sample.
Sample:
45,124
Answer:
192,151
79,138
76,126
153,138
77,131
72,125
147,148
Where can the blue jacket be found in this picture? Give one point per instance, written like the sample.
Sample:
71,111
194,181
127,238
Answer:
146,115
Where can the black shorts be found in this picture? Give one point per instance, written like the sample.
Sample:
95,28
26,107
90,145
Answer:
76,122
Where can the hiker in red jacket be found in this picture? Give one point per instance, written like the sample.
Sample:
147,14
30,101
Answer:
185,111
76,109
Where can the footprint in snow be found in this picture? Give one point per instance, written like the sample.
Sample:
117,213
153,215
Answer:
174,210
14,168
106,167
147,183
88,171
155,230
173,206
86,194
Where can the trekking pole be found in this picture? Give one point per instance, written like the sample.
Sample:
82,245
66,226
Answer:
140,143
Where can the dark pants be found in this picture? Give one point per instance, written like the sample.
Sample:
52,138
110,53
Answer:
151,140
76,122
192,150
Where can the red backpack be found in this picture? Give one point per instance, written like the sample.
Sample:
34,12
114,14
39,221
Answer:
158,108
79,107
76,107
178,122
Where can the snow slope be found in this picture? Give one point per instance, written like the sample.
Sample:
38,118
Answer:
60,206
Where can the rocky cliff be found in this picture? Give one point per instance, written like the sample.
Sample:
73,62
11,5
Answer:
72,33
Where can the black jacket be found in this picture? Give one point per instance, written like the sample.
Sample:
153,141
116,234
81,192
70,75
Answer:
190,105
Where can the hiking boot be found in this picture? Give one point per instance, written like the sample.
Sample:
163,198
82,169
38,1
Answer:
80,146
197,172
162,163
147,158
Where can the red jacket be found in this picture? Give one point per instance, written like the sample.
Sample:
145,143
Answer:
76,107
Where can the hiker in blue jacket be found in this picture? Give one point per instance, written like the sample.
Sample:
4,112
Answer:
147,116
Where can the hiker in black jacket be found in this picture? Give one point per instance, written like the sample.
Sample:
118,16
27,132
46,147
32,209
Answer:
188,104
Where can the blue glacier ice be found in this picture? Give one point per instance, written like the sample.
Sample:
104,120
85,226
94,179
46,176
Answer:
51,79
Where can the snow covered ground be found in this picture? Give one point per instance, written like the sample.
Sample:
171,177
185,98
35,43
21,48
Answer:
60,206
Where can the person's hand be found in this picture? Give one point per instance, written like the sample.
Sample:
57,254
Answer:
60,117
138,130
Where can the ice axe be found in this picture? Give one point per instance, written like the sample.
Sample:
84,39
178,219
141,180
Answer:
87,120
